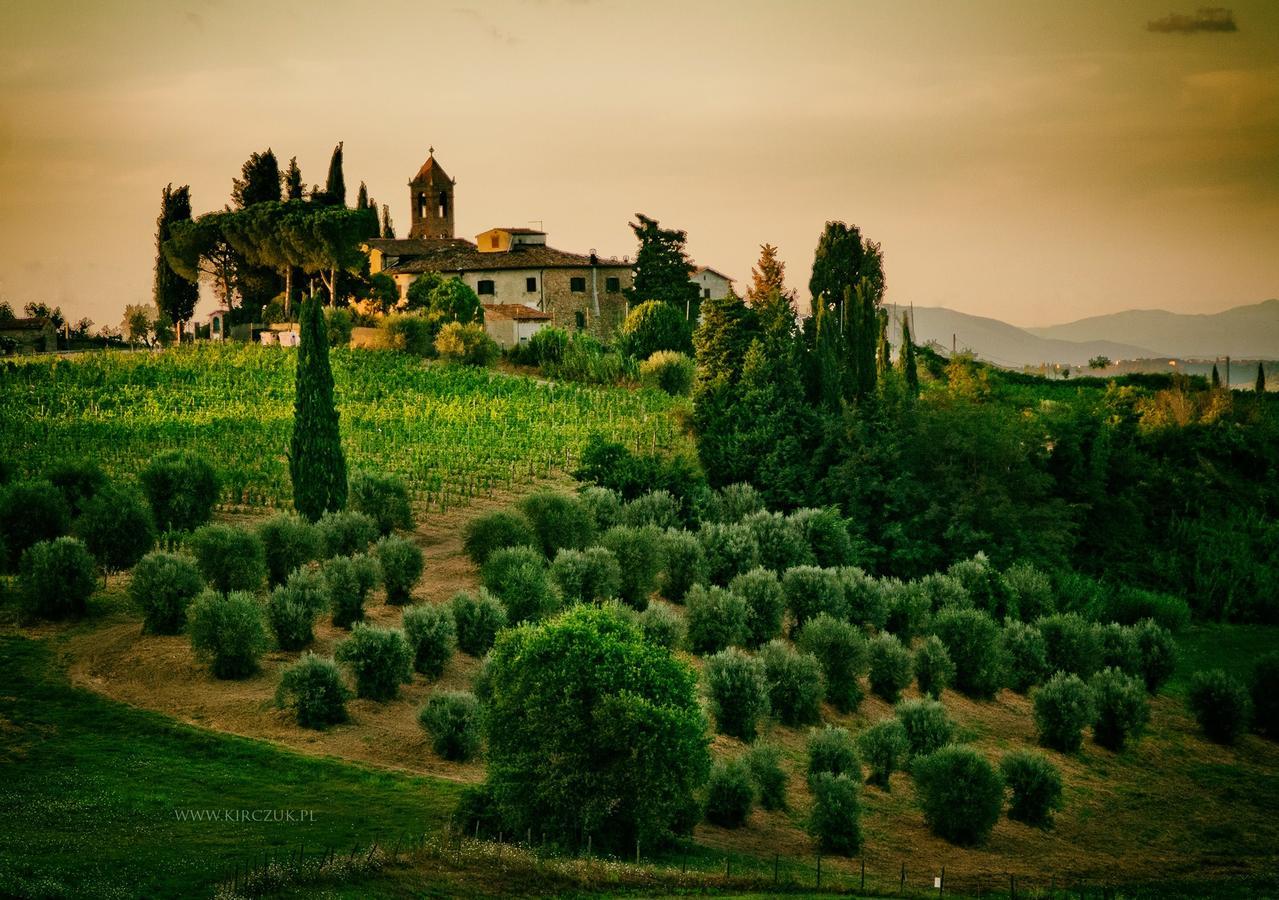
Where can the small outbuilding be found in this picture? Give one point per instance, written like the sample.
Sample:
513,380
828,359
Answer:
31,335
511,324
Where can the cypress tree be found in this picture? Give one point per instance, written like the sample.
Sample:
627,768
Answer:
335,186
1261,379
175,297
867,337
260,181
293,188
826,347
662,268
883,351
907,359
316,463
388,230
1216,376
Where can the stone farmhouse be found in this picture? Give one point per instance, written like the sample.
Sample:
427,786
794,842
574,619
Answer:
30,335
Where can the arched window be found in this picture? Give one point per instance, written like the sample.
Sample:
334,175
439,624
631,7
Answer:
444,204
421,206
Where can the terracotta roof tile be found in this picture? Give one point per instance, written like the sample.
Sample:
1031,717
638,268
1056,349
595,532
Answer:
415,256
517,311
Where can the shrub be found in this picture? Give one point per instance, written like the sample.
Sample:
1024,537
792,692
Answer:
181,489
831,751
738,692
836,817
985,586
379,658
1036,787
668,371
411,333
163,586
933,668
1063,707
794,683
313,687
496,531
467,344
1079,593
944,591
972,640
30,512
885,749
228,629
78,481
765,764
1025,656
652,326
730,794
658,508
780,540
1220,704
730,549
518,577
639,554
890,667
293,607
1157,654
927,726
384,499
547,346
1120,708
1072,644
1130,605
811,591
56,579
584,576
401,563
907,609
765,602
432,637
559,521
865,601
960,793
1263,687
288,542
478,618
1119,648
603,504
452,719
115,524
346,533
826,534
230,558
661,626
1031,590
684,564
349,580
339,325
716,619
734,502
841,650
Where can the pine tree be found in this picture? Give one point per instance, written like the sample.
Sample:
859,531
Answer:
1216,377
388,230
260,181
662,269
842,259
906,360
721,342
293,188
316,463
175,297
1261,378
767,277
335,186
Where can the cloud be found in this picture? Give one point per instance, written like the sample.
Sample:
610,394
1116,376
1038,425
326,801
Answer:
1206,19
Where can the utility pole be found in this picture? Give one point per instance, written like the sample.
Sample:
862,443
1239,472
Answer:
1227,373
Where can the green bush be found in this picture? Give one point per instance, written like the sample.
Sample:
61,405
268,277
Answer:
227,628
452,719
56,579
559,521
478,618
467,344
313,687
908,610
933,668
972,640
432,637
349,580
780,541
668,371
716,619
1157,654
181,489
836,817
1129,605
639,553
518,577
586,576
810,591
1079,593
795,689
163,586
384,499
1119,648
339,324
885,749
603,504
115,524
1072,644
293,607
1063,707
730,794
927,726
831,751
412,333
547,346
765,764
738,692
730,549
346,533
658,508
1263,687
985,586
865,600
230,558
78,481
1025,656
1220,704
652,326
30,512
401,562
766,604
841,650
1036,787
944,591
1031,590
960,793
733,502
288,542
661,626
826,534
380,660
496,531
890,667
684,564
1120,708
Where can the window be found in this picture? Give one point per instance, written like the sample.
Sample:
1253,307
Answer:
613,284
421,206
494,240
706,293
577,285
580,319
485,288
530,285
444,205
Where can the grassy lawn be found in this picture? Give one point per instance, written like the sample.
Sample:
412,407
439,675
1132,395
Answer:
1233,648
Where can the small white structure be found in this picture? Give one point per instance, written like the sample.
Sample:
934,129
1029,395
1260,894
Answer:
711,285
218,322
510,324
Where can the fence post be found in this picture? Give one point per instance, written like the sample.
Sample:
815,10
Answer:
637,851
903,882
728,867
1012,886
941,883
819,870
776,859
863,887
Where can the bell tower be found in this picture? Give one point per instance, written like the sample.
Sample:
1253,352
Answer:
431,202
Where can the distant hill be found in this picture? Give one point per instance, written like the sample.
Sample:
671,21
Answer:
1250,332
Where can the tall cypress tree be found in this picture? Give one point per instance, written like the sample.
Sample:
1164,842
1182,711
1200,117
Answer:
907,359
388,230
662,269
867,337
316,463
1216,376
175,297
362,197
259,181
335,186
828,390
883,351
1261,378
293,187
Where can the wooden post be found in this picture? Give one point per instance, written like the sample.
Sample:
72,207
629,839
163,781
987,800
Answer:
1012,886
903,882
637,851
776,858
941,883
863,887
819,870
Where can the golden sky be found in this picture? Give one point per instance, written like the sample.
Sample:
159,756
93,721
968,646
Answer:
1033,161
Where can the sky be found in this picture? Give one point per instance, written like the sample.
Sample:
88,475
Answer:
1032,161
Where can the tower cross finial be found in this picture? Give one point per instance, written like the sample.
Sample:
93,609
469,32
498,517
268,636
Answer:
430,150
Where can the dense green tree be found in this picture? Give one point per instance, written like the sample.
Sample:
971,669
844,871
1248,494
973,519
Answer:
906,359
175,296
259,180
1216,376
1261,378
662,268
316,462
768,277
293,187
388,229
335,185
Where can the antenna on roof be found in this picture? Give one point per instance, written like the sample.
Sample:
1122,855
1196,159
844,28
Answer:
540,226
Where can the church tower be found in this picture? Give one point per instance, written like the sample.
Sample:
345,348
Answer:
431,202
